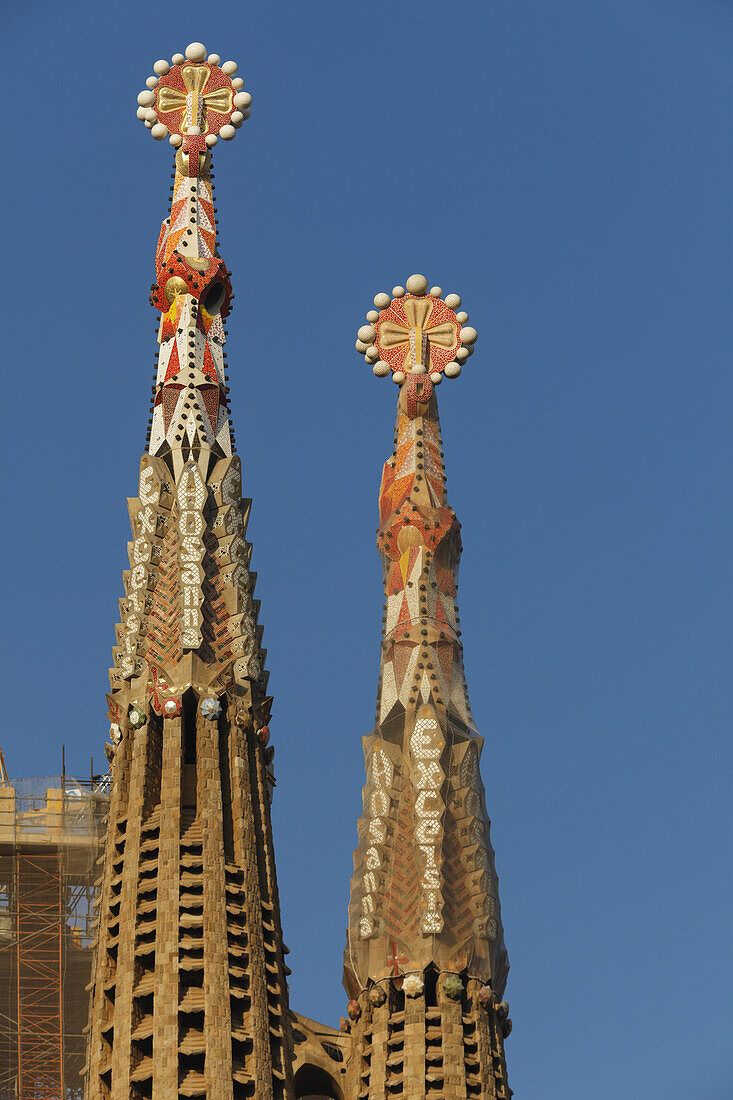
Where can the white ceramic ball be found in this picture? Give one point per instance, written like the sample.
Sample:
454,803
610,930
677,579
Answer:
196,51
361,346
452,370
419,368
237,83
161,67
468,335
453,301
146,98
159,131
381,369
150,114
462,318
148,125
211,140
245,113
398,377
195,130
382,300
462,355
372,354
214,59
142,113
152,82
398,292
366,334
242,99
178,59
417,284
372,315
227,133
229,68
436,378
436,292
237,119
175,139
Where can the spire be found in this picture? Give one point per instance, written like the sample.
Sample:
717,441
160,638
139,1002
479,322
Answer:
189,993
425,941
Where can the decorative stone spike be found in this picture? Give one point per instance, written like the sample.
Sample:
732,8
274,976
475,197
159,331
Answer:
424,922
189,994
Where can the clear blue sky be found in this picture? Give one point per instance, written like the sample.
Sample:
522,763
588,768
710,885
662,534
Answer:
566,167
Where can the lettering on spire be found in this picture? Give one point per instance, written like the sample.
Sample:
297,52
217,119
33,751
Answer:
190,498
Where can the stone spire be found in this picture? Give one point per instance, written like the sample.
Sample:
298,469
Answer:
189,995
425,964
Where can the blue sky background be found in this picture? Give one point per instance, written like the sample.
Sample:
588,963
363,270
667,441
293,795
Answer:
566,167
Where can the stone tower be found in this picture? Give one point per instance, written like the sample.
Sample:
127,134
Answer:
188,993
425,964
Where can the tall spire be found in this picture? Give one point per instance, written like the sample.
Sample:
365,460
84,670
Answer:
425,964
189,993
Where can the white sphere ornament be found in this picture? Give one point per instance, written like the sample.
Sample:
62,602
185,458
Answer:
237,83
148,124
152,82
246,113
214,59
452,370
398,292
159,131
142,113
419,368
436,378
150,114
399,377
417,284
453,301
468,335
194,130
161,67
382,300
366,334
175,140
229,68
237,119
242,99
178,59
436,292
360,346
372,354
372,315
462,355
381,369
196,51
146,98
211,140
227,133
462,318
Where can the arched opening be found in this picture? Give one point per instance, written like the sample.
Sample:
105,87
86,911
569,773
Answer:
313,1083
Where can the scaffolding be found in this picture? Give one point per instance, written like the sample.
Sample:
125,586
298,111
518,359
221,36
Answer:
50,835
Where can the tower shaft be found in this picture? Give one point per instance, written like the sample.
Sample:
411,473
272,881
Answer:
425,964
189,993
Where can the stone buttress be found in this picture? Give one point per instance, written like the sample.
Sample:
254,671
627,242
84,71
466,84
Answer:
188,994
425,965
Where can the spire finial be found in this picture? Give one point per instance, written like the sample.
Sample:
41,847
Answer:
417,336
194,100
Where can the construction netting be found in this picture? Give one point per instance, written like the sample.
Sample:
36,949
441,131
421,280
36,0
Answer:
51,831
